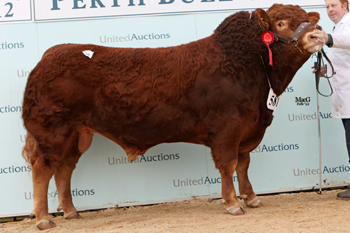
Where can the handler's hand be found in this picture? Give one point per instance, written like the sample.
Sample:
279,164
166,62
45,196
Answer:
323,70
321,36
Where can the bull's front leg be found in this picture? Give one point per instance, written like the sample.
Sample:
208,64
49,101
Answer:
233,206
225,156
245,187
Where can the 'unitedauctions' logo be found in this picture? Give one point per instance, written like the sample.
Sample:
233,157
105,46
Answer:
8,45
307,117
201,181
133,37
310,171
10,109
143,158
274,148
14,169
75,193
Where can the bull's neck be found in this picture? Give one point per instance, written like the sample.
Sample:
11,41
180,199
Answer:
243,48
282,73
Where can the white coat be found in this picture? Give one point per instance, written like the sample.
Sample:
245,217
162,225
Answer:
339,54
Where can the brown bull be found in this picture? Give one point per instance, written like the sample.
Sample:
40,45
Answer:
212,92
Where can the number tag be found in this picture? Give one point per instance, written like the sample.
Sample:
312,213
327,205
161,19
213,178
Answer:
273,100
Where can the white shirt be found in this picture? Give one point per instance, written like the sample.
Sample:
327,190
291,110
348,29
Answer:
339,54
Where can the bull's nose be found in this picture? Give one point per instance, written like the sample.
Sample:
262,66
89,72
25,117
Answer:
312,38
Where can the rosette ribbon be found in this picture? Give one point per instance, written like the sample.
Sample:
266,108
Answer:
268,38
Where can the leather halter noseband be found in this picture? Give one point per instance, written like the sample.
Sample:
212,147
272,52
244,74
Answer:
295,37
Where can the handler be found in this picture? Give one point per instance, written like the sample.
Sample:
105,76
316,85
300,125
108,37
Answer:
339,53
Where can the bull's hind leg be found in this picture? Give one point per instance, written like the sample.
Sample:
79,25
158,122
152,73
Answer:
42,172
78,143
245,187
63,184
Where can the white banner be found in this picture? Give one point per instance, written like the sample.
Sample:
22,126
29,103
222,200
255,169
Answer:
69,9
15,10
43,10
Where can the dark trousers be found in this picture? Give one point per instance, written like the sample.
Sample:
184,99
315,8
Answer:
346,123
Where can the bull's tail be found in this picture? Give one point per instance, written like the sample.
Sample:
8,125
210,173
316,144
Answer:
28,147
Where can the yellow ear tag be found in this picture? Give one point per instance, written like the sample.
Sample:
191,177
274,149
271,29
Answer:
265,23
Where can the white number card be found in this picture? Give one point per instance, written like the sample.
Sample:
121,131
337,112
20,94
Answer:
273,100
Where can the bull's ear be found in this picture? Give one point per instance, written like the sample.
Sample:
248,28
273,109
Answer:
264,20
314,17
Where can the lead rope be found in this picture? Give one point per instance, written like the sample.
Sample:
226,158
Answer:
318,64
268,80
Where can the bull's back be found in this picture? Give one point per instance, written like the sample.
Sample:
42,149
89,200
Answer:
139,88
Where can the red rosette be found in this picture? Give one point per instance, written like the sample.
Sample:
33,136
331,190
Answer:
268,38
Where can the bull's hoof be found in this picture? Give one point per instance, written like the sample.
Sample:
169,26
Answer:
74,215
46,224
236,210
255,203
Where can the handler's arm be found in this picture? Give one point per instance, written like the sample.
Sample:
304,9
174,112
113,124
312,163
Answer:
342,40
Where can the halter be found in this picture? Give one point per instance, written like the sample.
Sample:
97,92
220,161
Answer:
295,37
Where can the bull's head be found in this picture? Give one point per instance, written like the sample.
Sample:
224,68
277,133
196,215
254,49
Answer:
292,25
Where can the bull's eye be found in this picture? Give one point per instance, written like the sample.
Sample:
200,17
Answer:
280,24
